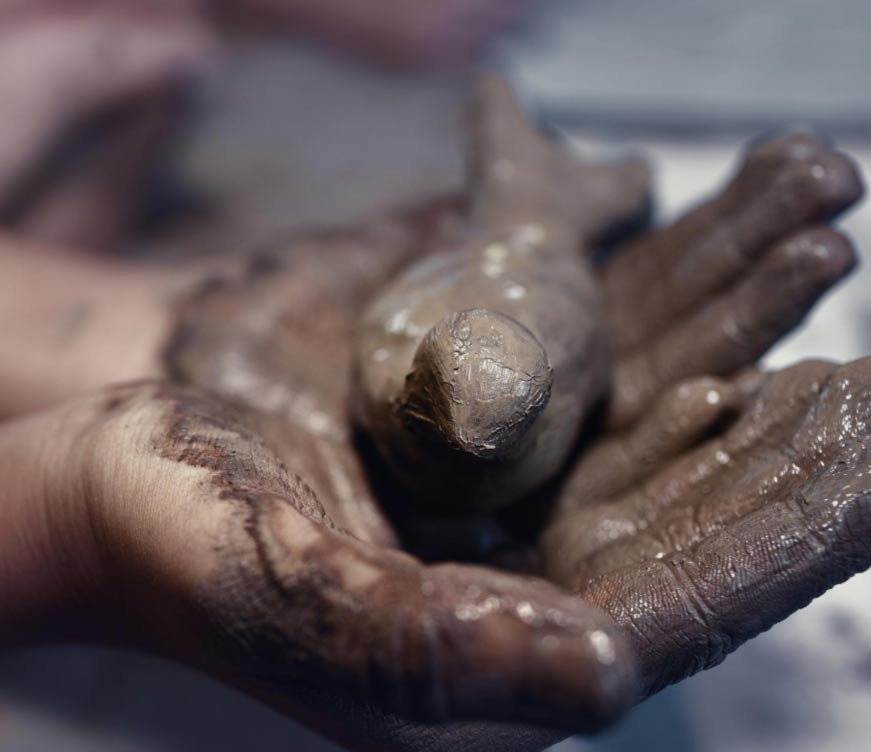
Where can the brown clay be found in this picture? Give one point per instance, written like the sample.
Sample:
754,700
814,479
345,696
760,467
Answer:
475,369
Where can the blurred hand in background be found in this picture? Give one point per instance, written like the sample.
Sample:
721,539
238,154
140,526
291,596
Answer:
91,89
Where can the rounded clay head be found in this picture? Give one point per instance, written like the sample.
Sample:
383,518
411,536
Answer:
478,382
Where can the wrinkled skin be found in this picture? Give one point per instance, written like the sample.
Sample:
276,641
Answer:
711,541
252,555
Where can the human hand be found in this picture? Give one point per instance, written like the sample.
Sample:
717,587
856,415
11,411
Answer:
714,291
795,273
695,543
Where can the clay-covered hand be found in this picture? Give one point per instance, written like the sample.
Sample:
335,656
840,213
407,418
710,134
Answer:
251,548
695,543
714,291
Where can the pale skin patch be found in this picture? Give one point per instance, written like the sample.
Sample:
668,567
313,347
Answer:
291,533
357,574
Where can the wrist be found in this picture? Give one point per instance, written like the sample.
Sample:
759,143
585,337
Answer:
52,584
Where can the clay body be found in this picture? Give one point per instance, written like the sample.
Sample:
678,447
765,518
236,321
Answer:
474,370
477,367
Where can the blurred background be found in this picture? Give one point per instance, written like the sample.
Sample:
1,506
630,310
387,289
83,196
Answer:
278,133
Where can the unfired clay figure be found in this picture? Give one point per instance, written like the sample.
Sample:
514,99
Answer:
475,368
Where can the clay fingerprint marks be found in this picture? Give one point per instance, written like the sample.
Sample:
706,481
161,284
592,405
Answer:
782,514
519,175
714,291
430,643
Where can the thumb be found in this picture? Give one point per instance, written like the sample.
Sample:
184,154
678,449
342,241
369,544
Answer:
431,643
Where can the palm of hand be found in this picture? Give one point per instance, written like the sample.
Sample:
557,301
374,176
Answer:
713,540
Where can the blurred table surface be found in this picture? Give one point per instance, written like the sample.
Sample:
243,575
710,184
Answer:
344,143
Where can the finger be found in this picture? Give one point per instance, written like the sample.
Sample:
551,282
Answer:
92,202
784,185
739,326
59,69
676,422
688,610
676,508
435,643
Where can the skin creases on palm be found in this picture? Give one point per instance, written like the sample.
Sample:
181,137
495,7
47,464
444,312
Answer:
699,544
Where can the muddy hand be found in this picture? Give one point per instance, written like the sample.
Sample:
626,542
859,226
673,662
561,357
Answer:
196,531
711,293
696,545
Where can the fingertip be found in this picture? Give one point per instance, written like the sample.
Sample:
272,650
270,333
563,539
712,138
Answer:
806,172
839,182
821,255
535,655
612,686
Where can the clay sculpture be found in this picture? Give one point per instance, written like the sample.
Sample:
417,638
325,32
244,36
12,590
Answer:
475,368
